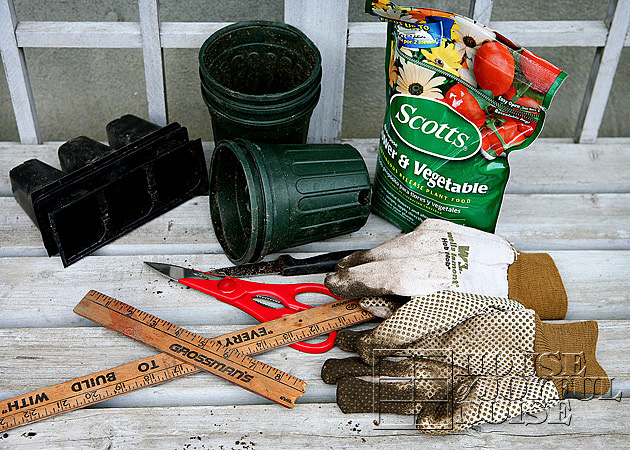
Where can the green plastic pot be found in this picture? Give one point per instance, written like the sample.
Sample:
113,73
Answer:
258,112
287,129
258,74
269,197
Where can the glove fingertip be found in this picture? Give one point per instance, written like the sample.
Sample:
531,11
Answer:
335,369
354,259
338,283
348,340
343,284
329,371
355,395
383,307
331,281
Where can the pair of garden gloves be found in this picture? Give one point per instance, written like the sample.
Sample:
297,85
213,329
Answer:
462,342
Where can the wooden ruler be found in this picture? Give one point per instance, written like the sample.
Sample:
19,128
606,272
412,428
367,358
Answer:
203,353
100,386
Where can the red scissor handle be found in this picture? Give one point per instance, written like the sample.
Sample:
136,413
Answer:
241,293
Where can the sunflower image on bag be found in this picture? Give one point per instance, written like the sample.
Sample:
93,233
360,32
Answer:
460,98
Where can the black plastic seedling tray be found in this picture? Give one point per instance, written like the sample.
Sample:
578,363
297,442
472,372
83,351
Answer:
83,210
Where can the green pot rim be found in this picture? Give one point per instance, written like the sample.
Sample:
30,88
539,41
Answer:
266,98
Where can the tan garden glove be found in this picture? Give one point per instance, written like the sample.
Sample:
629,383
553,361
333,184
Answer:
487,367
440,255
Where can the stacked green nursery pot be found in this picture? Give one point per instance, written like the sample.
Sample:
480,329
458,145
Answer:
260,81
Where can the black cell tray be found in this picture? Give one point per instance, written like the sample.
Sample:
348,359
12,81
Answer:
103,193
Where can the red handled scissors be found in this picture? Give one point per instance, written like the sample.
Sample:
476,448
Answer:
243,294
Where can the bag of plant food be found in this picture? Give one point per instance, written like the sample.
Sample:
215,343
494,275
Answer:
460,98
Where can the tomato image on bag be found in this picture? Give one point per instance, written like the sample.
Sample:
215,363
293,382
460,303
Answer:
460,98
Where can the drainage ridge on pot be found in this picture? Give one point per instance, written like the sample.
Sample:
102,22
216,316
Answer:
266,197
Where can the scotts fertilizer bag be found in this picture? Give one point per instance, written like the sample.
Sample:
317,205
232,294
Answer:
460,98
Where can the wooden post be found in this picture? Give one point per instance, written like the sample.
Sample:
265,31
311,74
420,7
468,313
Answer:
17,77
481,11
603,71
326,24
153,61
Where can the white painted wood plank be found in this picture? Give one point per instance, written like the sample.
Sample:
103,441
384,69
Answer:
17,77
360,34
23,304
602,74
64,354
481,10
326,24
79,34
548,166
560,166
188,34
566,221
596,424
367,34
551,221
596,283
111,34
566,33
38,292
153,61
54,355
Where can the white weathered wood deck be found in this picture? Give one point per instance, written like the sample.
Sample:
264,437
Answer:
572,200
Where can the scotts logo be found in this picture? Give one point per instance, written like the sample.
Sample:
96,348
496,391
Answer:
433,127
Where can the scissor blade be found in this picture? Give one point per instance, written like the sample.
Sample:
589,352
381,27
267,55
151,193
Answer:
251,269
177,272
287,265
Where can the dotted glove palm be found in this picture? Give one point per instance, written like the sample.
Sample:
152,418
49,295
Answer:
475,359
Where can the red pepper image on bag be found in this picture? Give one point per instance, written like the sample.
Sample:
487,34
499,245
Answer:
500,135
494,68
464,103
539,72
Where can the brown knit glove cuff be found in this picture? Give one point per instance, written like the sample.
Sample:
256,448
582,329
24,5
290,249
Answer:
566,356
534,281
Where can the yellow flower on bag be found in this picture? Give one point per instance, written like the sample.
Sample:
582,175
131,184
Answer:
396,14
422,14
393,70
381,4
416,80
445,57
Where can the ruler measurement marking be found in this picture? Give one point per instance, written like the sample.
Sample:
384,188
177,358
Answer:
231,369
91,396
325,316
138,320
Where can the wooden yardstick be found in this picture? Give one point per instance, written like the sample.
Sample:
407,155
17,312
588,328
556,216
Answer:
153,370
203,353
